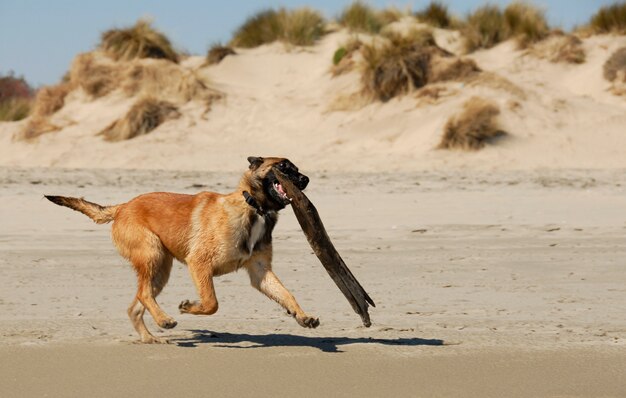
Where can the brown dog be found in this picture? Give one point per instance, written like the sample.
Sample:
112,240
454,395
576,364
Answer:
213,234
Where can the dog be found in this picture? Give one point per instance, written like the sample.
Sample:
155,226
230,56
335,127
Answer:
213,234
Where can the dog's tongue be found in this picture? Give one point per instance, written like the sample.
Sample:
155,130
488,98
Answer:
280,190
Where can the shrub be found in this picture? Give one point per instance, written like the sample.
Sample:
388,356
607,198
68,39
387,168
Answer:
394,68
14,109
338,55
474,127
303,27
15,98
138,41
217,53
435,14
525,22
343,56
359,17
610,19
300,27
485,28
146,115
616,65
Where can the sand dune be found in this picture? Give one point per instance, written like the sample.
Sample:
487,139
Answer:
279,100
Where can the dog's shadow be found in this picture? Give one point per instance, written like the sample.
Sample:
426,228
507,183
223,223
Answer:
325,344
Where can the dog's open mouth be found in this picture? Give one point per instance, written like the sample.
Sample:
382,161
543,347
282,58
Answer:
280,191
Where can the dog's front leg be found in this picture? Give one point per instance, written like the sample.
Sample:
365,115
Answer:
262,278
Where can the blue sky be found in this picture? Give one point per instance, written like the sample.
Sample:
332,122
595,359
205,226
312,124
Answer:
39,38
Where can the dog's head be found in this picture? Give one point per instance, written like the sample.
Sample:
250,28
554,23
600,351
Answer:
262,178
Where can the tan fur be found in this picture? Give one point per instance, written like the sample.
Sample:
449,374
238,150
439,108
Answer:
203,231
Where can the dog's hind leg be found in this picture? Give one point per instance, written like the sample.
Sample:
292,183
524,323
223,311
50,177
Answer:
137,309
263,279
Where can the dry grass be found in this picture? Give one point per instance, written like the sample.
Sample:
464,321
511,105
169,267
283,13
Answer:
485,28
50,99
95,74
145,116
138,41
452,69
488,26
559,48
36,126
299,27
473,128
435,14
166,80
303,27
261,28
359,17
390,15
526,23
610,19
217,53
390,70
615,66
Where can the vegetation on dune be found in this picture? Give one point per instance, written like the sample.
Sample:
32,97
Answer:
489,25
484,28
559,48
473,127
615,67
145,116
95,74
300,27
217,53
50,99
526,23
359,17
138,41
15,98
610,19
303,27
343,57
390,15
394,68
435,14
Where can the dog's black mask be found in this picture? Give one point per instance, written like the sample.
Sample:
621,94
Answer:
277,198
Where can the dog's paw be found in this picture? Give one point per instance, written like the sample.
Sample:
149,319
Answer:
308,322
152,340
185,306
168,323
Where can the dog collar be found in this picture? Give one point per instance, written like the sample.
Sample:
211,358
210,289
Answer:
253,203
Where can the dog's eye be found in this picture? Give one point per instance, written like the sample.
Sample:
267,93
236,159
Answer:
282,165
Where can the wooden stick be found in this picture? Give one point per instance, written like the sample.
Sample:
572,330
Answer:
315,233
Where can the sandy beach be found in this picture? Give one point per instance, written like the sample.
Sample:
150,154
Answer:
485,283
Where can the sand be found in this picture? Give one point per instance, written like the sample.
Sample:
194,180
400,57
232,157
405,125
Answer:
486,284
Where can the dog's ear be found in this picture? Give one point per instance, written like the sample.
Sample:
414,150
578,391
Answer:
255,162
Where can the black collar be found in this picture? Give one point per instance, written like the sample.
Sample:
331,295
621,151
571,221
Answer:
253,203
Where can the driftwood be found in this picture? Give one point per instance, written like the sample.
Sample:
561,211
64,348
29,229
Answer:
315,233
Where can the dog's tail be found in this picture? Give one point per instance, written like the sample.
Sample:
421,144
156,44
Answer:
100,214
